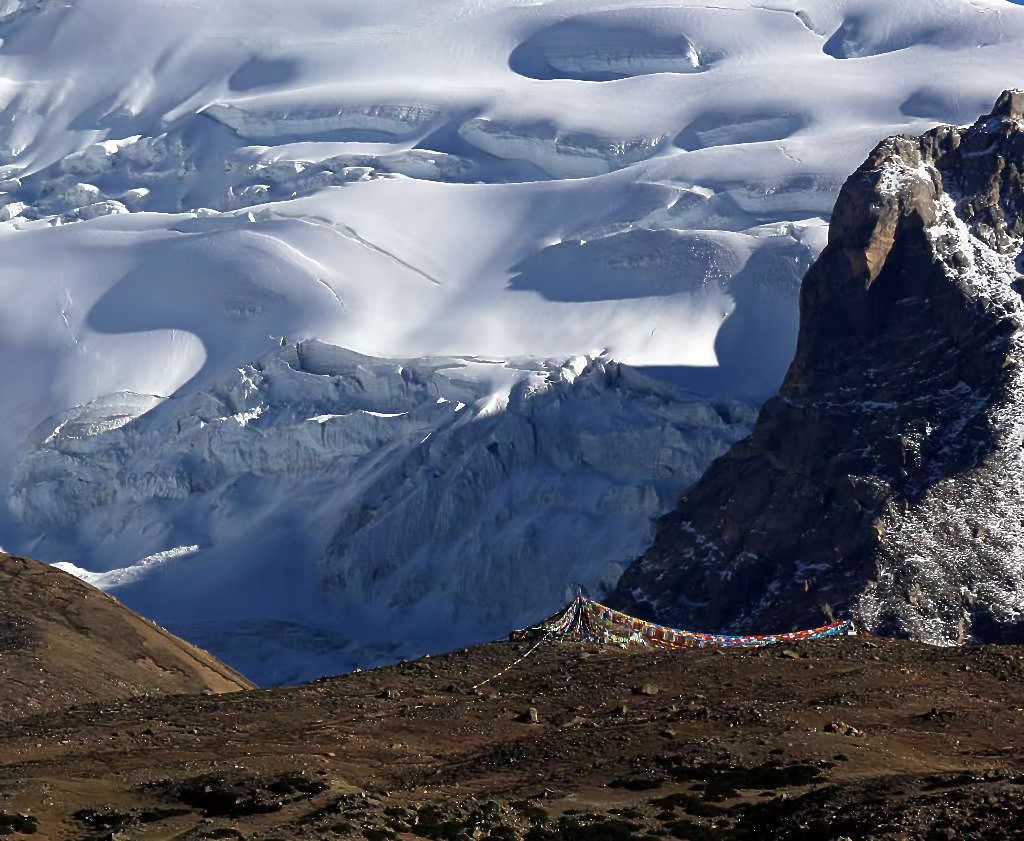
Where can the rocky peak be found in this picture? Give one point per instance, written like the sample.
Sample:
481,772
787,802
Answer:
885,479
1010,104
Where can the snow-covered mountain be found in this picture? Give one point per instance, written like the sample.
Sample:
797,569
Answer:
257,253
339,510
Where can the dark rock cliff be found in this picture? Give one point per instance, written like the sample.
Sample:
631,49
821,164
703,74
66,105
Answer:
885,479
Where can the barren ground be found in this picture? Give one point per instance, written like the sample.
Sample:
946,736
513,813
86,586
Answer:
851,738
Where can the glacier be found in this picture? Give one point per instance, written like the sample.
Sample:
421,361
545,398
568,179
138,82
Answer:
384,506
257,255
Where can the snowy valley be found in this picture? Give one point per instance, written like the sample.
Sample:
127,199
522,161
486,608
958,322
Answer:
334,333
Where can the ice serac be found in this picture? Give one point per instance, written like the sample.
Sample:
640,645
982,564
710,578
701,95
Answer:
885,479
319,509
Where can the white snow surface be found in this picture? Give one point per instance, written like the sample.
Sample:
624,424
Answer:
386,506
269,267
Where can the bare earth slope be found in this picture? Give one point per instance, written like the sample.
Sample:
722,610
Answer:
65,642
854,737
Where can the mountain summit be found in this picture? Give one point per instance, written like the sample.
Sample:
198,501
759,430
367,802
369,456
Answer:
885,478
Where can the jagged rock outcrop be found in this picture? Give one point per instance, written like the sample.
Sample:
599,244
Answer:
885,479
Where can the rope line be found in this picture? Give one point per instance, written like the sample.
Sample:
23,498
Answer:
559,626
515,662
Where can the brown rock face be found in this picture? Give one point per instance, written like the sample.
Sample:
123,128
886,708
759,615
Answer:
885,479
64,642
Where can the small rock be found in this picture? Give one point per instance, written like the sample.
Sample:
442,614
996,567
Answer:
390,694
790,653
531,716
842,728
646,689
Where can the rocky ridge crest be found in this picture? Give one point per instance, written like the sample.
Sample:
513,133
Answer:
884,481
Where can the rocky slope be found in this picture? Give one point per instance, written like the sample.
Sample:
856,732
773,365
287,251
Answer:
854,738
885,479
64,642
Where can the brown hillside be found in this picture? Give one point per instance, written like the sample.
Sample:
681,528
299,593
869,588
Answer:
64,642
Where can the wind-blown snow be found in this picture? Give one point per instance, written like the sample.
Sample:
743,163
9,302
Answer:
189,190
